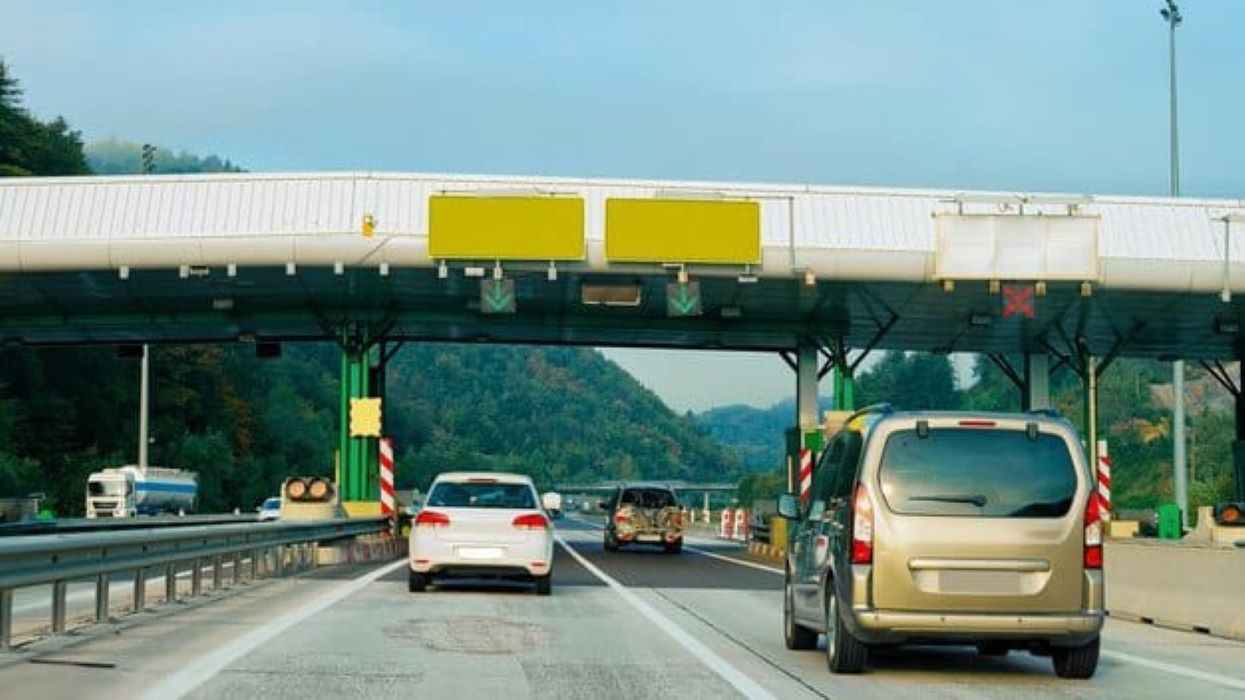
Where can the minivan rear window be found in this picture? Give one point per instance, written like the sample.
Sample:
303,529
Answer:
988,473
648,498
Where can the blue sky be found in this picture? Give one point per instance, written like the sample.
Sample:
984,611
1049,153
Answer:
1060,95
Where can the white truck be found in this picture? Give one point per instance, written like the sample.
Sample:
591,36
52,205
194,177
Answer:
128,491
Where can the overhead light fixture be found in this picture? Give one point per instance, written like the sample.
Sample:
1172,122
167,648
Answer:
748,278
339,268
552,273
611,295
443,270
473,271
948,286
1087,289
124,272
222,304
291,269
497,271
682,276
1040,289
384,269
1225,294
231,270
810,278
994,286
183,271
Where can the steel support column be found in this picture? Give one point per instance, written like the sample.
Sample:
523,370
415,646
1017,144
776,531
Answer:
806,366
1036,390
1238,446
1091,414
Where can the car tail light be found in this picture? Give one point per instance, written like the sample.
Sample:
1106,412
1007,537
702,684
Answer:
431,518
862,527
1093,534
622,516
531,521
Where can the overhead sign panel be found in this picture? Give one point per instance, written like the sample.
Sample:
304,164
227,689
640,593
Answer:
1000,247
683,231
466,227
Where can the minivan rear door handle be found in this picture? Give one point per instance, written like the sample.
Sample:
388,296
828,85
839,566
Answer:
979,564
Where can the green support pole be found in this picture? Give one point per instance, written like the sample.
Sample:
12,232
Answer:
359,459
844,389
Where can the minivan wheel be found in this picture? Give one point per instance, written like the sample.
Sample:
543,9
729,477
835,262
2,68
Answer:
544,584
1076,662
796,636
416,583
844,652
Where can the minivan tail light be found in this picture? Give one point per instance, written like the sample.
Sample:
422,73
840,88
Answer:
1093,534
977,423
862,527
531,521
431,518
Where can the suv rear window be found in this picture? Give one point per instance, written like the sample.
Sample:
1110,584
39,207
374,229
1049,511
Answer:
448,494
648,498
989,473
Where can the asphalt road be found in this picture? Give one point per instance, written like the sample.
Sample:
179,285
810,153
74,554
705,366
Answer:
635,624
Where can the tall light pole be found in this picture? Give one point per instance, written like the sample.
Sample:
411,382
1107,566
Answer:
1171,15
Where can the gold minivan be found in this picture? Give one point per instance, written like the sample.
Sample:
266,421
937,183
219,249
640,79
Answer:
947,528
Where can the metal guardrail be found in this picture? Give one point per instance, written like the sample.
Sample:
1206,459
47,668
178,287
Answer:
58,559
68,525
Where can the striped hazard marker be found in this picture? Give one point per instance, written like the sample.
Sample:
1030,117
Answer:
806,474
1104,481
386,477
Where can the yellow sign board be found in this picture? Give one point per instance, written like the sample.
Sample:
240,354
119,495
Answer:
465,227
683,231
365,417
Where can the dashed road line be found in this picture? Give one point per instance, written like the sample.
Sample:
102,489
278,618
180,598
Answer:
738,680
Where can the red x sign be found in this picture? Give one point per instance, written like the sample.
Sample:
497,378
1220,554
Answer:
1018,299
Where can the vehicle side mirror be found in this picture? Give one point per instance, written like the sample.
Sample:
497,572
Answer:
789,506
603,505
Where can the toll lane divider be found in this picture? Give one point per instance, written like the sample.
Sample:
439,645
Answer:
57,559
1177,584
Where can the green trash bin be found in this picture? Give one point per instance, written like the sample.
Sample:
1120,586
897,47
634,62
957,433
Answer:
1169,522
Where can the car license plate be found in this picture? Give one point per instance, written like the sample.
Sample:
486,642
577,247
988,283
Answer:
649,538
480,552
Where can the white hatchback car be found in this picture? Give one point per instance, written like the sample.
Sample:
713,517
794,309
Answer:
482,525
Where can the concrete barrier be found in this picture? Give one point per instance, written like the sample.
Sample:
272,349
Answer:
1185,585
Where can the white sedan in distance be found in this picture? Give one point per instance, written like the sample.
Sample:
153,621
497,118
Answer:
482,525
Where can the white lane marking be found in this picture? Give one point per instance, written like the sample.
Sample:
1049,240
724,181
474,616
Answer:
1206,676
733,560
741,682
202,669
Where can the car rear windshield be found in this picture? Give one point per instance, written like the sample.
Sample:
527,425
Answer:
990,473
648,498
482,495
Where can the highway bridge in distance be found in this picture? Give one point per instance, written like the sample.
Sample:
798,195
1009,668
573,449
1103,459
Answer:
704,624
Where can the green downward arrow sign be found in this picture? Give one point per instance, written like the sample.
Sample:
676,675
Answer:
683,299
497,297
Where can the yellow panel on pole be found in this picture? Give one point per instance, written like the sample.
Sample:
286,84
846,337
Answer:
683,231
465,227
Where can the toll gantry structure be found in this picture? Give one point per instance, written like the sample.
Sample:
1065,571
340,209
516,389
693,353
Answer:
819,275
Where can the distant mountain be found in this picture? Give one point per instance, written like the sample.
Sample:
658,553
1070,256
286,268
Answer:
756,435
113,157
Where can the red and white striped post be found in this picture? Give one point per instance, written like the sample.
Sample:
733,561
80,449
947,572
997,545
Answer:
386,478
806,474
1104,481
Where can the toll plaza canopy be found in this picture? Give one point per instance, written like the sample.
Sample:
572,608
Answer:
614,262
